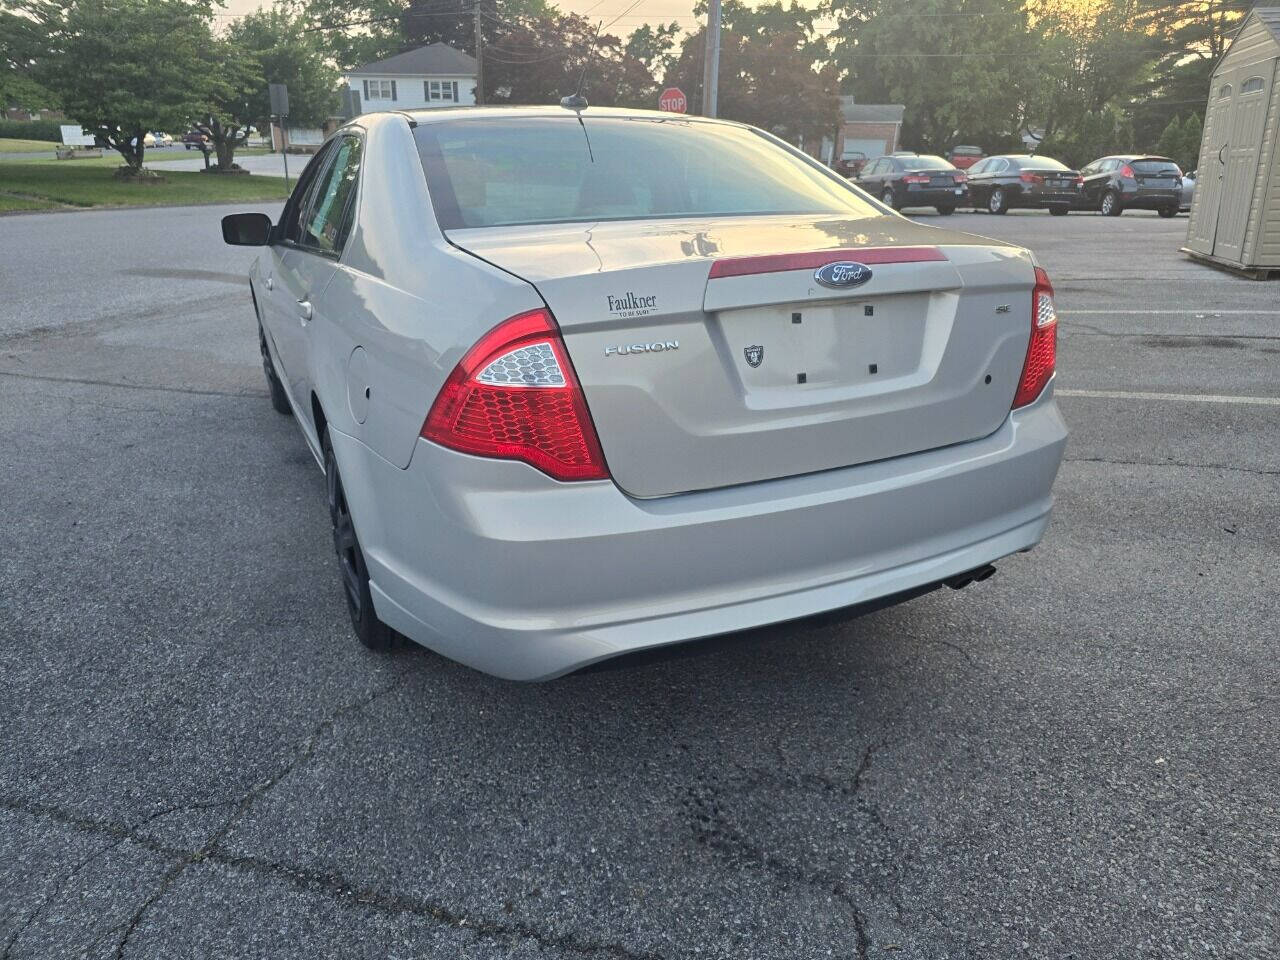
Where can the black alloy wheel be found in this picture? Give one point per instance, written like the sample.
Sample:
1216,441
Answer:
371,631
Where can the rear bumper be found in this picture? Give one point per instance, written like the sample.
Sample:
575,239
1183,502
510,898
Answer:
931,196
1151,199
495,565
1070,198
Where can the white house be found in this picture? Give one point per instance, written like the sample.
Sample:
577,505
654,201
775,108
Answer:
436,75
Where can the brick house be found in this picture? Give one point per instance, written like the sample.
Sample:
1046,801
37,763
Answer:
867,130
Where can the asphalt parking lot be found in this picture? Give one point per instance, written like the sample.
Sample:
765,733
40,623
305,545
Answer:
1077,758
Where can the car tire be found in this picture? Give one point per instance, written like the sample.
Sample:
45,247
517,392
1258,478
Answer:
1109,205
998,202
946,211
370,631
1059,211
1168,212
279,398
890,199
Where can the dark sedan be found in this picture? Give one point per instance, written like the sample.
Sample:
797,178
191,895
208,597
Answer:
998,184
1132,181
912,180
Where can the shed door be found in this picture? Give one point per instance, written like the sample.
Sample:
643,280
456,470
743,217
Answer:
1251,95
1217,129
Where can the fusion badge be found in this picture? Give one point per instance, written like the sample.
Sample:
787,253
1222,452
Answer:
842,273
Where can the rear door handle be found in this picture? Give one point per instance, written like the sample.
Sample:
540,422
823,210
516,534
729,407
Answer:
304,310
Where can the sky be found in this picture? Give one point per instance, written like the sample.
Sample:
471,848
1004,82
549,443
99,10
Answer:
646,11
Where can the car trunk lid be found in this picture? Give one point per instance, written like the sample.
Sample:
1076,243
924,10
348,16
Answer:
711,356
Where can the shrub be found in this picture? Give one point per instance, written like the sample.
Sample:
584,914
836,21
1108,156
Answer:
31,130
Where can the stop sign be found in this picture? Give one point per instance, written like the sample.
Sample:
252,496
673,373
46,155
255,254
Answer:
673,100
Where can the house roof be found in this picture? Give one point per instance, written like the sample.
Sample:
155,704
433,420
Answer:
852,112
434,59
1270,17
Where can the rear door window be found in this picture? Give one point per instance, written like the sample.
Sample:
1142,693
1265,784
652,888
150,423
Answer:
332,209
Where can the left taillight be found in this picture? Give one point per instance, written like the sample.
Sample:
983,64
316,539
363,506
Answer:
514,396
1042,349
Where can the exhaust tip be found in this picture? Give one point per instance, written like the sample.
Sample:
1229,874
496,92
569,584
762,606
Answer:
976,575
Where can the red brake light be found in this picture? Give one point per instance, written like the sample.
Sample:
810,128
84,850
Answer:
915,178
1126,171
1042,348
515,396
960,177
1079,180
1030,178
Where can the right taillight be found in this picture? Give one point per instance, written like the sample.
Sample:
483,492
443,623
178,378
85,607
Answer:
1126,171
514,396
1042,349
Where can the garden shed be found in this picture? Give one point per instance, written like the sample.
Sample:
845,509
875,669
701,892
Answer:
1235,214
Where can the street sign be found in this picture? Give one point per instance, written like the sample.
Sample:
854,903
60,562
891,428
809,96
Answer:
673,100
279,94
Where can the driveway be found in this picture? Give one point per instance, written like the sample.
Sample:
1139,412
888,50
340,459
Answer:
1076,758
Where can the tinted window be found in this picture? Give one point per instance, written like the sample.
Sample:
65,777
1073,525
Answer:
332,208
1156,166
291,221
500,172
925,163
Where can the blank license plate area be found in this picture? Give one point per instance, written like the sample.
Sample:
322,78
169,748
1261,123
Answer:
859,343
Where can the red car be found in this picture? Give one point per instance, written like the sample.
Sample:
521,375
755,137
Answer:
195,138
963,157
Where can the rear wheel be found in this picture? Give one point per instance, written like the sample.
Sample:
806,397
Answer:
1168,212
1110,205
946,211
889,199
998,202
1060,210
279,399
371,631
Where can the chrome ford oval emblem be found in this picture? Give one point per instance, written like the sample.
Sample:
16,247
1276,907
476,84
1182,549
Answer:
842,273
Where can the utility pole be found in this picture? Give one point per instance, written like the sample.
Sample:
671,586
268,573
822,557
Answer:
479,59
711,61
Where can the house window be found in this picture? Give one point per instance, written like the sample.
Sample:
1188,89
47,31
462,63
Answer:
380,90
441,90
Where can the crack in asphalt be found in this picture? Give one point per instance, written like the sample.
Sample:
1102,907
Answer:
712,828
1173,463
329,884
304,753
130,386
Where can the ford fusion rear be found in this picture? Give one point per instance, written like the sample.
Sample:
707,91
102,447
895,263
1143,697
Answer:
579,392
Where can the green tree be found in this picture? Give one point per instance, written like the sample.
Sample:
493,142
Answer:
769,74
22,40
124,67
654,46
1180,141
261,48
964,69
1088,137
355,32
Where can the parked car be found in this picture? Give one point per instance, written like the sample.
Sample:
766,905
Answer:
851,165
195,138
162,139
912,180
1188,190
1132,181
148,139
964,156
998,184
554,430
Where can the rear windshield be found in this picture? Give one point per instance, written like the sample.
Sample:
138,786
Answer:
506,172
925,163
1040,163
1156,166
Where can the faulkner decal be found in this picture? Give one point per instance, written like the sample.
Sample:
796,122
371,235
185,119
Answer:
632,305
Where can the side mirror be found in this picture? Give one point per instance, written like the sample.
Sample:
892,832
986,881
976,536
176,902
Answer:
247,229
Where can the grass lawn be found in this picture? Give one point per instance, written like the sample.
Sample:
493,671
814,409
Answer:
26,146
24,203
112,159
77,185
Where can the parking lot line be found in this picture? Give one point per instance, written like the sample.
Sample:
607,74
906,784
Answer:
1189,397
1205,312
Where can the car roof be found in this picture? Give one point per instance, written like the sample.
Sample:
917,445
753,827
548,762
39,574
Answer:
444,114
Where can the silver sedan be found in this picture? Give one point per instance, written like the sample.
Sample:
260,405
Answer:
587,382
